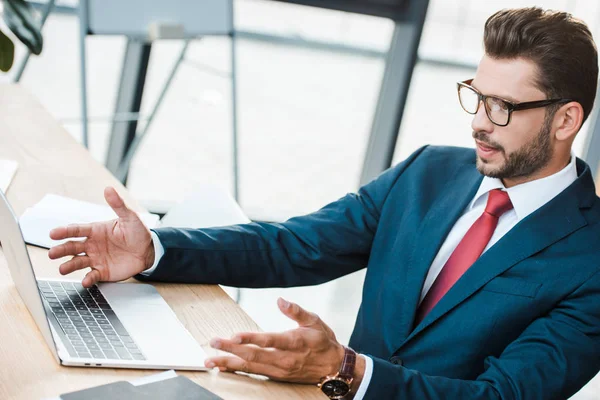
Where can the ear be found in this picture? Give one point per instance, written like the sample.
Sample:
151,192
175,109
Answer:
568,119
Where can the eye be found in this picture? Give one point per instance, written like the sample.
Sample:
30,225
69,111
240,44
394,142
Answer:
496,104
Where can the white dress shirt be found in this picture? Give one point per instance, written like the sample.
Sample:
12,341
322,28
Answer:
526,198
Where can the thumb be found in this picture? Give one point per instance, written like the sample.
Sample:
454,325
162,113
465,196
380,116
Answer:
115,201
297,313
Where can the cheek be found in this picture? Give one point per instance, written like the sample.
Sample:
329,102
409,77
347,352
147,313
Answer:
512,138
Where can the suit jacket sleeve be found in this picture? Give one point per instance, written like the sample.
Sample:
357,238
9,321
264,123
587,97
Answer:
307,250
552,359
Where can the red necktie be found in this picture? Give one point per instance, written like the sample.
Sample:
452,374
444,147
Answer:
467,252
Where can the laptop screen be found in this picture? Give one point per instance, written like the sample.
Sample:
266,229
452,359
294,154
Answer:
21,270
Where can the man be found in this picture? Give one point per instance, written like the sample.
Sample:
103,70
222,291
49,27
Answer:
483,279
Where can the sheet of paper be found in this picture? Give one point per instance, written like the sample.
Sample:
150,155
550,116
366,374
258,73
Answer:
163,376
54,211
7,172
143,380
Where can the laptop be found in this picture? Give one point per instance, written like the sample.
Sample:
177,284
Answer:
114,325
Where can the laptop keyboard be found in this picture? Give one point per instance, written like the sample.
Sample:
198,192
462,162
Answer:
90,326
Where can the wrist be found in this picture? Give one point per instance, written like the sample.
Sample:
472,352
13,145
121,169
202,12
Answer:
359,373
150,255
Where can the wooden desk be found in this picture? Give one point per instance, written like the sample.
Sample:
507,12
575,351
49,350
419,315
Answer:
50,161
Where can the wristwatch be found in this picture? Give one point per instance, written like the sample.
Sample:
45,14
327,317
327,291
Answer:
339,385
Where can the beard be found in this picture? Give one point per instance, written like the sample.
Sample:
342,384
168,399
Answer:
522,162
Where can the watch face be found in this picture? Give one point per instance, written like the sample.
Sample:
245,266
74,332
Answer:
335,388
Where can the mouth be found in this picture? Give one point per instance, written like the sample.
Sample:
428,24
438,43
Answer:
485,151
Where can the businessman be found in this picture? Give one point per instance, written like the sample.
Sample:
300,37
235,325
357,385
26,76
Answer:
483,266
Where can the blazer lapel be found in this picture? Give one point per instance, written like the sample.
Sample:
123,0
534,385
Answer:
555,220
434,228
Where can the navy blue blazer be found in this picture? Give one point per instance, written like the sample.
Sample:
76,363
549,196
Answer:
522,323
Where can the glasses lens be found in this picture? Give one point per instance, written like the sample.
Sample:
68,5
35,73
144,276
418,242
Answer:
469,99
497,110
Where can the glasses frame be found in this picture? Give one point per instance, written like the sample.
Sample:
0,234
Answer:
511,106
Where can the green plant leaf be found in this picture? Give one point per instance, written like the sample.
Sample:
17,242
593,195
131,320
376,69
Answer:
18,15
7,52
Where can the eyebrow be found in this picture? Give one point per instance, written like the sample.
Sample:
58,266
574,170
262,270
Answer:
509,98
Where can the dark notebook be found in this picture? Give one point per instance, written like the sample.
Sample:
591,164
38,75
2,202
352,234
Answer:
180,388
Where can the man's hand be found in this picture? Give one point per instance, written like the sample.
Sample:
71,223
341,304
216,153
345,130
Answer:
114,250
304,355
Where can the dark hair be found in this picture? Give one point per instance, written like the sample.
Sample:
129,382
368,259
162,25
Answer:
560,45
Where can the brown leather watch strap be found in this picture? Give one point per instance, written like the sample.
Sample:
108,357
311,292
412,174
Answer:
348,363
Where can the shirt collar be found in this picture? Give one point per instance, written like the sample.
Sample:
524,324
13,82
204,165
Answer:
528,197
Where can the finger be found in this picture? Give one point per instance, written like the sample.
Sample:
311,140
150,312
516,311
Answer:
238,364
71,231
70,248
283,341
247,352
91,278
115,201
297,313
74,264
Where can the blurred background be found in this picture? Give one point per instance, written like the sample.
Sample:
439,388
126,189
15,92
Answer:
307,80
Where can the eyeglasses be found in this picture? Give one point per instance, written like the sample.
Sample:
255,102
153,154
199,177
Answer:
498,110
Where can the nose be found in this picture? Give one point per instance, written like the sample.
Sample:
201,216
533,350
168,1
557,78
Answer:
481,122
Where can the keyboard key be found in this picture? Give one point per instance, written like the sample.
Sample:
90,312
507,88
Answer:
97,354
97,312
127,339
82,329
89,340
112,317
73,337
93,347
69,308
111,354
105,346
104,307
100,338
131,346
107,328
81,308
87,318
43,284
85,335
94,329
55,284
119,344
103,322
138,357
85,355
80,349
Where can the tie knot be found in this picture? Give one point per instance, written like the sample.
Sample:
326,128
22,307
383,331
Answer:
498,203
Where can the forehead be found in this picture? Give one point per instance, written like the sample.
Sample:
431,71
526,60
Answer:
512,79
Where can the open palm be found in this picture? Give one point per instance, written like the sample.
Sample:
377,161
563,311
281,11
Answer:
114,250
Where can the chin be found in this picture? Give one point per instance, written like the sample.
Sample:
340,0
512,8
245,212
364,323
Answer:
488,169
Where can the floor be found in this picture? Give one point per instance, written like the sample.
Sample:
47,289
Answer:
304,118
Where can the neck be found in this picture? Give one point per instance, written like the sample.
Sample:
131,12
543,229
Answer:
554,166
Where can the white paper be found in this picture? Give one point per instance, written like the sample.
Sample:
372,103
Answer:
7,172
208,206
54,211
163,376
